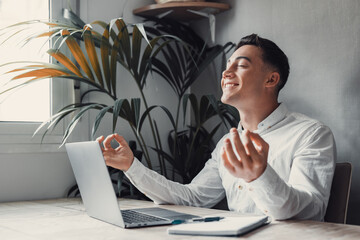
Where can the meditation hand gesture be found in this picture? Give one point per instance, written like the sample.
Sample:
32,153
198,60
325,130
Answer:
121,157
253,153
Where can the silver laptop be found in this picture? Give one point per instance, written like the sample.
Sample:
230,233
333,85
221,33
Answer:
98,194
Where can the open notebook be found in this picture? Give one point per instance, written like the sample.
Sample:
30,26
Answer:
229,226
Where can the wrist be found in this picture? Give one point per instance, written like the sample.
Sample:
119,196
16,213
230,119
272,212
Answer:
257,175
129,165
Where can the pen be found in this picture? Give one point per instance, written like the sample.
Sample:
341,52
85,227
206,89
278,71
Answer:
194,220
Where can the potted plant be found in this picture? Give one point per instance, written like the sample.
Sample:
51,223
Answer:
177,57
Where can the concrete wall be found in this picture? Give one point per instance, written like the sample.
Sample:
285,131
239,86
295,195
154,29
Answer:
322,41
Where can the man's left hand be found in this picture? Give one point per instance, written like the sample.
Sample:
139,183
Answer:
253,153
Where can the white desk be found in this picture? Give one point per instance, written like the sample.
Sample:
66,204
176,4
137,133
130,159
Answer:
66,219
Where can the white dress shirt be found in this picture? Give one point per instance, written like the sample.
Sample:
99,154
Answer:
295,184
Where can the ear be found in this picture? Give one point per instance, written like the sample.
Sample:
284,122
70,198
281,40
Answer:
272,80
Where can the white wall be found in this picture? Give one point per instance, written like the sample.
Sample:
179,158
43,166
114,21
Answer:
322,41
34,176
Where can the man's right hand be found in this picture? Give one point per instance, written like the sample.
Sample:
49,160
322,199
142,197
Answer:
121,157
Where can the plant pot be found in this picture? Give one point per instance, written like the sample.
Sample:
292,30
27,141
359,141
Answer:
166,1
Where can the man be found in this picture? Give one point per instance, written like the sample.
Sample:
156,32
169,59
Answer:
276,163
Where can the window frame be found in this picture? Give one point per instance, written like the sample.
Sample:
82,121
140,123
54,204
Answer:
17,137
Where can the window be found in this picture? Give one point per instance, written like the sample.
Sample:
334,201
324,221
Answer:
22,111
26,104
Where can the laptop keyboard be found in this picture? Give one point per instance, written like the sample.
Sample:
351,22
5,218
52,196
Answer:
131,216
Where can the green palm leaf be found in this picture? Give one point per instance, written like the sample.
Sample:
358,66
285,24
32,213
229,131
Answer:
124,39
76,119
145,114
117,108
105,26
99,118
73,18
51,120
135,106
113,64
146,55
54,120
136,48
194,105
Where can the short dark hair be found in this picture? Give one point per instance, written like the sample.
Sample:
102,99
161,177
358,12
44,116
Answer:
272,55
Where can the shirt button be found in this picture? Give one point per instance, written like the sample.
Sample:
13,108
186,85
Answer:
250,189
265,211
240,187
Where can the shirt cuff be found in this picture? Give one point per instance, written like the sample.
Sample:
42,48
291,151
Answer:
266,182
135,171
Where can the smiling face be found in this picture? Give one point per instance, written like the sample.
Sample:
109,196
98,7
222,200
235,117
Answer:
244,80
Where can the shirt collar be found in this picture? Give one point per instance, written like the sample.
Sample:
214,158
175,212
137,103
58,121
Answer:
276,116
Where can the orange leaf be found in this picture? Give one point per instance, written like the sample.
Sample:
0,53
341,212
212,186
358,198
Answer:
78,54
46,34
104,49
90,48
65,61
41,73
52,24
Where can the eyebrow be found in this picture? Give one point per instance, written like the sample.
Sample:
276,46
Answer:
241,57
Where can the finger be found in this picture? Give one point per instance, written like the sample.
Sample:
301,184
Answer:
107,142
239,147
226,162
100,140
249,146
231,155
260,145
121,140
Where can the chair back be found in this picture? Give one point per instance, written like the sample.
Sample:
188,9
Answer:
339,196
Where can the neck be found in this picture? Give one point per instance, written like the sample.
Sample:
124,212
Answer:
252,116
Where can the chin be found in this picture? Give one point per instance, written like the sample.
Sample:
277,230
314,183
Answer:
225,100
230,101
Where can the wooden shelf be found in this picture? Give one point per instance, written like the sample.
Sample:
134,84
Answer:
180,10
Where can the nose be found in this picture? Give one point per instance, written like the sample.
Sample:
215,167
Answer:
227,73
